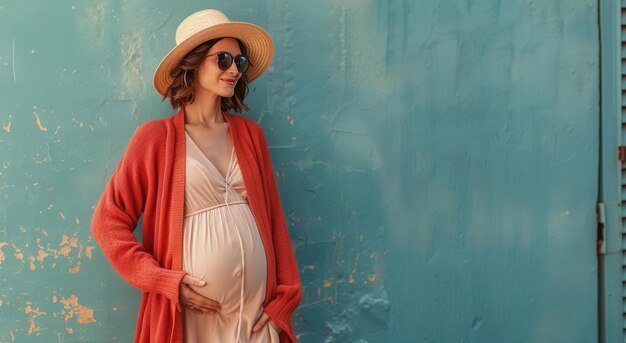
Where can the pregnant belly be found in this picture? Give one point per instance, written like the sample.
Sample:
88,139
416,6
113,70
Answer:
223,247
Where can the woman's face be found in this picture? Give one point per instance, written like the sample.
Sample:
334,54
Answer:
214,80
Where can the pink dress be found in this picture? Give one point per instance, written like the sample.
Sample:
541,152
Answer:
222,246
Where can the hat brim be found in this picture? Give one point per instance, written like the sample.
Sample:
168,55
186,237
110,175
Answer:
258,42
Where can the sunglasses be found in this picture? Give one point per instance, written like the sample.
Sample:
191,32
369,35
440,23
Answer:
225,60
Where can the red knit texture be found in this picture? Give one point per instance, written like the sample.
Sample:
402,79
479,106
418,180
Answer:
150,179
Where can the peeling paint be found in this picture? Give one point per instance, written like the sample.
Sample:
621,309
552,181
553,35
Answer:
2,257
41,254
132,78
73,310
18,253
376,304
65,251
38,122
94,22
32,313
88,251
75,269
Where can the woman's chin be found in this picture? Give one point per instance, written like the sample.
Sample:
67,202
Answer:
228,94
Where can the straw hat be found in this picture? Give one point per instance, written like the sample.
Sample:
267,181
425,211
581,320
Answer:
209,24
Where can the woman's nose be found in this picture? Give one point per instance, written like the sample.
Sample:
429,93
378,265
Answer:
233,69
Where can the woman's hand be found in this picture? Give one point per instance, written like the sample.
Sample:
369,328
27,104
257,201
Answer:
263,320
194,300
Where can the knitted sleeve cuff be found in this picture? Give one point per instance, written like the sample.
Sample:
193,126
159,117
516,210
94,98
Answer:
167,282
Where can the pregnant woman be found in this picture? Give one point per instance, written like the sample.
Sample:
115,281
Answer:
215,263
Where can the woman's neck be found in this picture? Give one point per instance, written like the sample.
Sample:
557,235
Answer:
205,111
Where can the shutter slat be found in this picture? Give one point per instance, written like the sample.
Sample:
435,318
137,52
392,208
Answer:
623,141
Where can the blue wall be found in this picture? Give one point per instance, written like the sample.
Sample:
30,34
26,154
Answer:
437,159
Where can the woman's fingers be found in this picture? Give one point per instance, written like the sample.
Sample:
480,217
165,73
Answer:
197,302
260,323
209,304
190,280
263,320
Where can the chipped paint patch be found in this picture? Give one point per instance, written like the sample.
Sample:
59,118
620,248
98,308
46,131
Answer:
88,251
18,253
41,254
65,251
94,24
73,310
35,254
66,245
2,245
32,314
31,262
132,79
376,304
38,122
75,269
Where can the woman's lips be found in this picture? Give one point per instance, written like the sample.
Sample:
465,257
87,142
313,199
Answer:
230,82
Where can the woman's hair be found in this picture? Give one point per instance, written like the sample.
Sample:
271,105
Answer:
183,87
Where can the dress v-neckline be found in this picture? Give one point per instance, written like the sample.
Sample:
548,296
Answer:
230,159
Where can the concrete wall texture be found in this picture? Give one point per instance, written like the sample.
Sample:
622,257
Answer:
437,162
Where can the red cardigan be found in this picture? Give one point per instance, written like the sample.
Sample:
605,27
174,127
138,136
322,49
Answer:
150,178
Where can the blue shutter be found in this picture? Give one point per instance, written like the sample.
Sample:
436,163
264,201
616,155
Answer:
612,191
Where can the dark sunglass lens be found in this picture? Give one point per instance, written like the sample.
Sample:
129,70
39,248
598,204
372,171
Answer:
242,63
224,60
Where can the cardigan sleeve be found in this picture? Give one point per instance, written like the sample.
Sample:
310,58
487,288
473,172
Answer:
289,287
116,215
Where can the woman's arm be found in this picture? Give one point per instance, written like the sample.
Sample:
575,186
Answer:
289,288
117,212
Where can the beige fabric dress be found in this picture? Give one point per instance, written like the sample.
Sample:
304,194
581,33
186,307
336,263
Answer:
222,246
